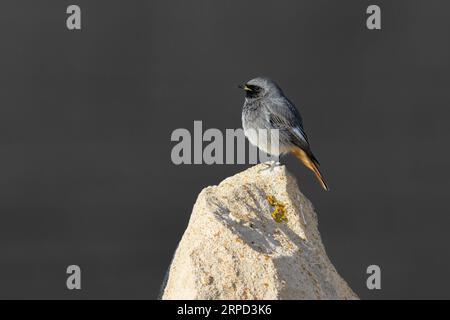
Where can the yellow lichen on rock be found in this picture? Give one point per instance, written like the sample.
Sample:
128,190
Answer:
279,213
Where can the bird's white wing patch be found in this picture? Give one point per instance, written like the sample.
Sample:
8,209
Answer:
300,134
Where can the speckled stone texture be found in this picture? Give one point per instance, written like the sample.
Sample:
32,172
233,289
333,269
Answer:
234,249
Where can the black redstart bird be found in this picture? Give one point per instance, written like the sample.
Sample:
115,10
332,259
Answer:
267,108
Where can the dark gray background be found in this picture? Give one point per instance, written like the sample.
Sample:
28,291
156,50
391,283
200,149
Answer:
86,117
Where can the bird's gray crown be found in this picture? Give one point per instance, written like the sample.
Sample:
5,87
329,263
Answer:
261,87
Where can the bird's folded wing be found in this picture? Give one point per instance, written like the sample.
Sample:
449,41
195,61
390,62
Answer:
284,116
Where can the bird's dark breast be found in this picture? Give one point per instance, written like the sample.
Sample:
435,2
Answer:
252,94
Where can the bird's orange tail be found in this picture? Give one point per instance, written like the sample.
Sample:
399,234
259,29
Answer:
310,164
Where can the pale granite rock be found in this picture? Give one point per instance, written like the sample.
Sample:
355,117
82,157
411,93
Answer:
234,249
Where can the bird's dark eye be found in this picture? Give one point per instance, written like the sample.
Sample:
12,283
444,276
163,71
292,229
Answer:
252,91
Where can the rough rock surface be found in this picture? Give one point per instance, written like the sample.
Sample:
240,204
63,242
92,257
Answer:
234,248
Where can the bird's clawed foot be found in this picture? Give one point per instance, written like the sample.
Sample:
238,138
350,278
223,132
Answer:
270,165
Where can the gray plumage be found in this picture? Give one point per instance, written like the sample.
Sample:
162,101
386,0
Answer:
266,107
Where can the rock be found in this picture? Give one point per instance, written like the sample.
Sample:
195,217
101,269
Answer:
254,236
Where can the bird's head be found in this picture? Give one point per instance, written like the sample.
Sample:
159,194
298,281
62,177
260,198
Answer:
260,87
